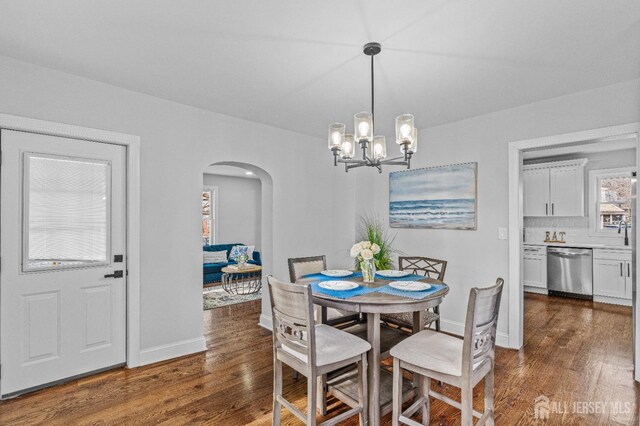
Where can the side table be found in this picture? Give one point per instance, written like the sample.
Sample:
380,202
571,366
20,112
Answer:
247,280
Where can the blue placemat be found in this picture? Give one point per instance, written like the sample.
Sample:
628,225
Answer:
411,277
410,294
321,277
315,288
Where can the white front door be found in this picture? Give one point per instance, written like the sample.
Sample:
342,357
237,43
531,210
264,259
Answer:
63,240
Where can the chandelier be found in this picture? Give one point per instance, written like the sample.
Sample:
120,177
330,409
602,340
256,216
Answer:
374,148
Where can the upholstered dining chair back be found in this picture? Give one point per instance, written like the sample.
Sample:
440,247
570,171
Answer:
300,266
426,266
293,323
480,327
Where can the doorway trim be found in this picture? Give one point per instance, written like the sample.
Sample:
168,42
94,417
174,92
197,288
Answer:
515,148
132,145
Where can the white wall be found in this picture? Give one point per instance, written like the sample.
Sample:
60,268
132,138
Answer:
477,258
177,144
239,204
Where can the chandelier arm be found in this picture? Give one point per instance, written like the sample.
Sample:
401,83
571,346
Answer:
363,162
386,161
394,163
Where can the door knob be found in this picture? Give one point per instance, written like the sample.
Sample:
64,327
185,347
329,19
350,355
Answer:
116,274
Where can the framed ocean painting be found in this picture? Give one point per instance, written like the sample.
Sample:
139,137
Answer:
442,197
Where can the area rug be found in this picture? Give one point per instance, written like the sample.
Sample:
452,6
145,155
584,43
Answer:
218,297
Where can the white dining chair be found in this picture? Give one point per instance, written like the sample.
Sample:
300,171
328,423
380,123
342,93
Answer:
312,350
458,362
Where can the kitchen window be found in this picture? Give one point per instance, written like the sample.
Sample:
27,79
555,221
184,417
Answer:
609,200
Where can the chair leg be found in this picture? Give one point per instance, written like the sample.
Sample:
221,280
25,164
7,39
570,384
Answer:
322,394
294,375
311,400
426,407
467,405
397,393
437,311
277,391
363,396
488,397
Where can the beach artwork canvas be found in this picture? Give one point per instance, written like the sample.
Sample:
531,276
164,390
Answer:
435,197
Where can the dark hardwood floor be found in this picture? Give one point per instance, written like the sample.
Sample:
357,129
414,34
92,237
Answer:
575,352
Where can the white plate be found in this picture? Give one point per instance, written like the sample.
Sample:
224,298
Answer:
390,273
338,285
410,285
336,273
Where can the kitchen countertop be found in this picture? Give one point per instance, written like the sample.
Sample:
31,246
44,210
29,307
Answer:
584,245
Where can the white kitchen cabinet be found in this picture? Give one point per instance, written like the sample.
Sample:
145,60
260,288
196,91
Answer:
536,192
566,191
628,282
535,267
612,281
554,189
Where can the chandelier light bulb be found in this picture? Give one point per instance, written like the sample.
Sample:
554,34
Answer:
379,147
347,146
336,135
347,149
363,125
363,128
405,130
335,138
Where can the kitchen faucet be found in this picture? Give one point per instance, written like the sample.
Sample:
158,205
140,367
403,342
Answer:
626,233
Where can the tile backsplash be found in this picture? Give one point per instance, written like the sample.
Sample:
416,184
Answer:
576,229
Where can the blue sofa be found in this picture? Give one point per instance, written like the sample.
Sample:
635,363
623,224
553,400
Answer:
212,272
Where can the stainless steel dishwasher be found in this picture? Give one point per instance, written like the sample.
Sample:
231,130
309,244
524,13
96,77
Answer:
570,272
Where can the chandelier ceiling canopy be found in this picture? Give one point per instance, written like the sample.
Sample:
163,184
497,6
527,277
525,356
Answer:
374,147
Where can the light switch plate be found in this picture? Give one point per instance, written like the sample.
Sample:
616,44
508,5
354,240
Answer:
502,233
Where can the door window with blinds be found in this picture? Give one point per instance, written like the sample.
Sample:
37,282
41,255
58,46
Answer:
66,212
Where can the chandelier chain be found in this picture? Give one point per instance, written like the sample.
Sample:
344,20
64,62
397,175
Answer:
373,113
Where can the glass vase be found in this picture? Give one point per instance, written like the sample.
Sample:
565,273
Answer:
368,269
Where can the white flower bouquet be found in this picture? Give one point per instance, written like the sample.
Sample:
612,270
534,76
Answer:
363,252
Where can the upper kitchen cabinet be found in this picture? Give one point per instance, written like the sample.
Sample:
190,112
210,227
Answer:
536,191
554,189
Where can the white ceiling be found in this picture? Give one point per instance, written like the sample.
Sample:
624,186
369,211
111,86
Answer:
297,64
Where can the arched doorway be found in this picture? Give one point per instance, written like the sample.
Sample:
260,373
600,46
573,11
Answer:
266,214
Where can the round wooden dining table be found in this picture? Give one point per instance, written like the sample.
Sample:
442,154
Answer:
372,305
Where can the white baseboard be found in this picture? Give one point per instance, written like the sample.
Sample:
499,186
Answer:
172,350
536,290
502,339
612,300
266,322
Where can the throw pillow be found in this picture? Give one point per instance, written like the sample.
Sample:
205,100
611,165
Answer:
250,250
237,251
215,256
